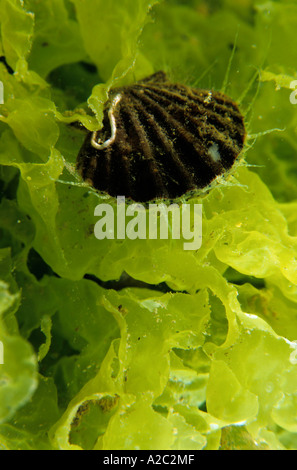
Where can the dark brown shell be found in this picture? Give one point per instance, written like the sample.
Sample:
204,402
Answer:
161,140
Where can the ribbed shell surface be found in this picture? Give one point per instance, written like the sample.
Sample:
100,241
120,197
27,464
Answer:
161,140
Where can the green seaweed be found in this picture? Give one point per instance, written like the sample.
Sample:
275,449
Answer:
211,362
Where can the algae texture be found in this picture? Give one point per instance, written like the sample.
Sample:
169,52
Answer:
198,350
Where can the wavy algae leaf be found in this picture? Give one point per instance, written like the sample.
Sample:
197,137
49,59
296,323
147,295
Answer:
138,343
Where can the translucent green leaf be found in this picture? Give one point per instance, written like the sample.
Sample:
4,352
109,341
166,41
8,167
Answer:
197,346
233,404
17,25
18,365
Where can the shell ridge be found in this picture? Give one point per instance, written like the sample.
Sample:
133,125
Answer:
211,114
186,136
168,117
226,146
104,168
116,156
218,100
199,126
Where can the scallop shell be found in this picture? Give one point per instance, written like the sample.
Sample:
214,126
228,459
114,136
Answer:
162,140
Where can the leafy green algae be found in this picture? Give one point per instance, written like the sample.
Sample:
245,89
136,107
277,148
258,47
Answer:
211,363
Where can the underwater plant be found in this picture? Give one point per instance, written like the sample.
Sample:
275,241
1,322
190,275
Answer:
123,343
